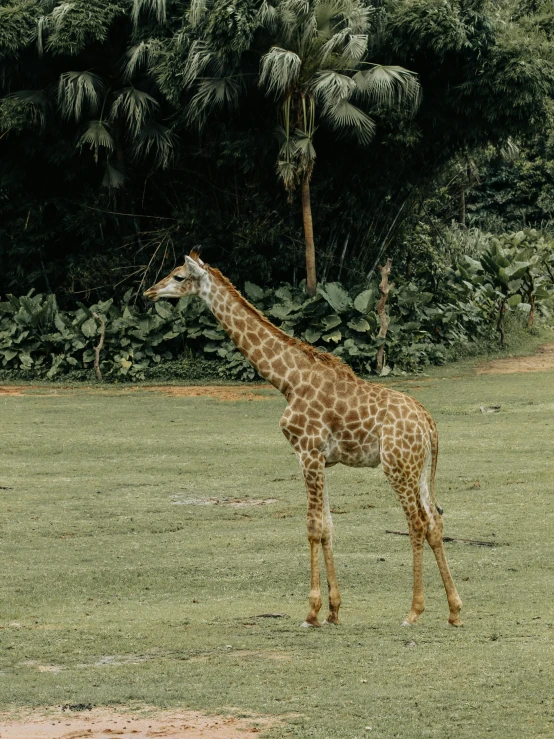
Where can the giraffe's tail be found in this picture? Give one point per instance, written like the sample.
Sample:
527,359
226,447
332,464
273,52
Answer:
434,455
427,503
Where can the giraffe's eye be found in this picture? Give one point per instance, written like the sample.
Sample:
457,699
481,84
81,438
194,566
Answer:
178,278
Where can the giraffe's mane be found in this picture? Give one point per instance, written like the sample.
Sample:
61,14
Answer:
311,351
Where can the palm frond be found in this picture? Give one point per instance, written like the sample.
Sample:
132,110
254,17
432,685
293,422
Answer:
304,148
355,48
334,45
155,138
97,135
181,38
77,89
268,16
196,11
212,93
286,148
279,70
346,117
56,17
324,13
158,7
135,105
354,15
53,20
293,15
305,35
113,178
36,104
137,57
287,171
329,87
299,8
42,26
200,56
389,85
509,150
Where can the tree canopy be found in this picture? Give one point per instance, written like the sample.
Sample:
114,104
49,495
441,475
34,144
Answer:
132,130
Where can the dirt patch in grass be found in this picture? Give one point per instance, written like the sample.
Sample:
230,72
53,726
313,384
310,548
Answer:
100,723
218,392
11,390
232,502
213,391
541,361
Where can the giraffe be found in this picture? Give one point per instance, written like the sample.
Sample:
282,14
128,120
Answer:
333,416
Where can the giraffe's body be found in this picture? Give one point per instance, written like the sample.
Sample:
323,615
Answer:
333,417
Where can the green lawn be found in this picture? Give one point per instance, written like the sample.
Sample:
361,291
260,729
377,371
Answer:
118,587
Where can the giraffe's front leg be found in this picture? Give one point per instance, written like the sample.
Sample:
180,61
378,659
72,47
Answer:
313,467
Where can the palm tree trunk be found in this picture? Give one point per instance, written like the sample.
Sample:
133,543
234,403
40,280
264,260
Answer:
384,289
311,281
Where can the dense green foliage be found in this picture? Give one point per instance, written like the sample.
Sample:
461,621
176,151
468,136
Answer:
37,339
131,131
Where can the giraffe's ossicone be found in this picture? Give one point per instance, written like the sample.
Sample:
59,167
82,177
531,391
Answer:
332,416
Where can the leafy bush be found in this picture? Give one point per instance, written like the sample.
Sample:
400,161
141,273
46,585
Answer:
516,272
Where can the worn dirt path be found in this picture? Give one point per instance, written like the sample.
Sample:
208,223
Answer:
541,361
101,723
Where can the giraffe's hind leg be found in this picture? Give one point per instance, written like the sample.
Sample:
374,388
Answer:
327,545
424,522
434,537
406,485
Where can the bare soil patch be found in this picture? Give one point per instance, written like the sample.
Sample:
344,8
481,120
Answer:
213,391
232,502
101,723
218,392
11,390
541,361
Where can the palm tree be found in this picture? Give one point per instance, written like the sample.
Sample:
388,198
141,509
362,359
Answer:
316,69
116,119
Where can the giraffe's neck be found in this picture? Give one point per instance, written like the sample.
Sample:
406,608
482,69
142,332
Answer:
263,344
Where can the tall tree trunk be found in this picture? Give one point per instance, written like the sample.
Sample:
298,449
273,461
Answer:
462,211
531,296
311,281
500,323
384,289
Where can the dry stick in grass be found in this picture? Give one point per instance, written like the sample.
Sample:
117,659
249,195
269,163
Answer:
475,542
98,349
384,289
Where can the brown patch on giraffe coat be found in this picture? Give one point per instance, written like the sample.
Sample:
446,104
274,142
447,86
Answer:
279,366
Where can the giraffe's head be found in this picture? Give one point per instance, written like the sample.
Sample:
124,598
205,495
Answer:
184,280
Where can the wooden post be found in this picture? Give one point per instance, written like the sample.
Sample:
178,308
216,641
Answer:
311,281
98,348
384,289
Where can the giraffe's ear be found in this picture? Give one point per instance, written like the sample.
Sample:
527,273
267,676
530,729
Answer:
195,254
193,268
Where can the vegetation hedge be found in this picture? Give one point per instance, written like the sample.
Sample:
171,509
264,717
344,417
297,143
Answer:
466,305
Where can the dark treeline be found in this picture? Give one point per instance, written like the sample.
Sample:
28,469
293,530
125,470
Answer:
133,130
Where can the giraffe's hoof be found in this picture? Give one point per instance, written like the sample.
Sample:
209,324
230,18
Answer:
331,622
309,625
409,623
455,622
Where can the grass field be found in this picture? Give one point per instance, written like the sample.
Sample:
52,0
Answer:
120,585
